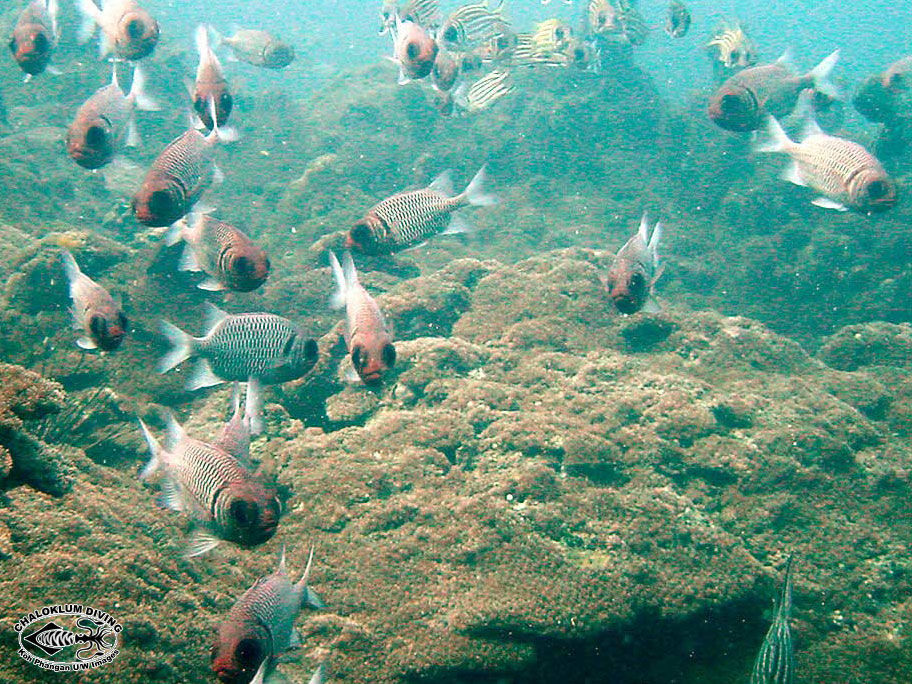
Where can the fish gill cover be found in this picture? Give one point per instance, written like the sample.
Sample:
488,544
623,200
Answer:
620,368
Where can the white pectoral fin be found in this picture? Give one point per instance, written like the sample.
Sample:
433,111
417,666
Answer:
458,224
253,407
651,306
171,496
188,260
201,540
86,344
202,376
827,203
210,285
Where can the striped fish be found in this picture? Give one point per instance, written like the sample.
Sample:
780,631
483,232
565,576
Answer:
633,26
486,91
732,47
527,53
425,13
259,628
215,488
844,172
470,26
601,17
409,218
775,662
552,35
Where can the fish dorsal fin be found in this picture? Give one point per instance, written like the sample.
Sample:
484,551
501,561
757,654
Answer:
348,268
337,301
306,574
114,80
176,433
786,60
654,243
282,569
805,111
214,316
443,184
811,127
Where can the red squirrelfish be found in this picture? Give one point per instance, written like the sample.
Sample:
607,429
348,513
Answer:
35,36
177,179
259,627
414,50
107,121
127,30
95,312
744,101
842,171
409,218
367,337
217,489
230,258
635,271
210,83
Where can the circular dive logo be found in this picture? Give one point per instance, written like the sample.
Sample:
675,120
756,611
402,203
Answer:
68,637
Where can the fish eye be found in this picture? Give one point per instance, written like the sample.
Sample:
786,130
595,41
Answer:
412,50
96,137
602,19
98,325
160,203
225,101
735,54
248,653
878,189
358,356
136,28
637,281
730,103
41,42
559,34
311,350
242,265
389,355
122,322
579,54
360,234
451,34
244,512
12,45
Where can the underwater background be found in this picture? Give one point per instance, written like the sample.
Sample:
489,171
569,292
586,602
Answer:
543,489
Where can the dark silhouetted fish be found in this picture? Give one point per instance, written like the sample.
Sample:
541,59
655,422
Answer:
775,662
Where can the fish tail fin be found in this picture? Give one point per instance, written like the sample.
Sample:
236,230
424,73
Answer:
175,232
70,266
181,346
215,37
337,301
253,407
138,93
222,134
777,139
91,17
53,9
235,400
653,245
319,675
475,193
348,268
643,230
155,448
786,60
820,75
309,598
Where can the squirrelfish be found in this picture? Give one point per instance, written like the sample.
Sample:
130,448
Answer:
414,50
259,348
259,628
217,489
107,121
230,258
408,218
844,172
178,177
445,71
210,84
127,29
369,342
35,36
746,98
635,270
472,25
775,662
487,90
95,312
732,47
260,48
677,21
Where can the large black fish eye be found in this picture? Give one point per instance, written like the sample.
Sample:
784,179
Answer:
96,137
242,265
135,29
878,189
412,50
311,350
122,321
248,653
735,56
40,42
389,355
730,103
451,34
99,326
244,512
360,233
637,281
358,356
602,19
12,45
225,102
579,54
559,33
160,203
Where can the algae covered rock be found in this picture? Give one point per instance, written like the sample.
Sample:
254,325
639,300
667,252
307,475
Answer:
869,344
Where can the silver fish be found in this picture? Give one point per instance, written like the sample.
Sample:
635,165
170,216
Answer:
775,662
216,489
408,218
260,625
489,89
